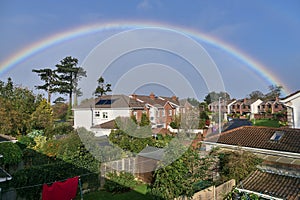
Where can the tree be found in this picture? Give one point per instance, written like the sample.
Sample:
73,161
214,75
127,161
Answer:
214,96
68,76
145,120
102,87
237,164
12,154
256,95
275,91
193,101
49,77
17,104
181,176
42,117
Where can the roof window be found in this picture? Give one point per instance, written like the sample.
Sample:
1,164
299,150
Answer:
277,136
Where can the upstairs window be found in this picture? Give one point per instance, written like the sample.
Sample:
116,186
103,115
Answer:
97,114
104,115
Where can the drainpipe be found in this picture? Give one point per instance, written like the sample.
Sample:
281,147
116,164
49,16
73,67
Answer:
92,115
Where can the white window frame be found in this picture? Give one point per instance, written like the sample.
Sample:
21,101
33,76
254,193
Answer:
104,115
97,114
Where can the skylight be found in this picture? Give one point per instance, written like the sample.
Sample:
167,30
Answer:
277,136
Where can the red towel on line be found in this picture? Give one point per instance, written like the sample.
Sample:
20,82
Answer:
61,190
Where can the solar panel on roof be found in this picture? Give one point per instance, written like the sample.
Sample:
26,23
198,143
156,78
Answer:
105,102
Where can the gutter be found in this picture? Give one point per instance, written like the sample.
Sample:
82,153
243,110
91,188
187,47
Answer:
257,150
259,194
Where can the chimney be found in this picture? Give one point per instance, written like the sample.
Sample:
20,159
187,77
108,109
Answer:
152,96
174,98
134,96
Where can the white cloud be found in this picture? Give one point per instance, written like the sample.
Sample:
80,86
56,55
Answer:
144,5
149,4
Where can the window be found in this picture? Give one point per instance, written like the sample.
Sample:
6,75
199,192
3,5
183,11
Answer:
97,114
104,115
135,113
163,113
238,106
170,112
277,136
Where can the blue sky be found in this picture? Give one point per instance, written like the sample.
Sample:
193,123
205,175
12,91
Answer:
266,31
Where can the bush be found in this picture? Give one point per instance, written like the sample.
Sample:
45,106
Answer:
25,141
118,183
62,128
35,133
12,153
174,125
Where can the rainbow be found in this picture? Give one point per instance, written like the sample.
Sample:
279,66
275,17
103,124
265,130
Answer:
41,45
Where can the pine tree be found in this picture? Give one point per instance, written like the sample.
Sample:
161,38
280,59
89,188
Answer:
49,77
102,87
68,76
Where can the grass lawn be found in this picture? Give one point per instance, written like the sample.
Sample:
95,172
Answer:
266,122
138,193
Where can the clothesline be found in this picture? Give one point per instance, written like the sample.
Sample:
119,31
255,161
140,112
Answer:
41,184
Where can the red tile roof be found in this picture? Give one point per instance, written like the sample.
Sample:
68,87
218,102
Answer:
260,137
274,185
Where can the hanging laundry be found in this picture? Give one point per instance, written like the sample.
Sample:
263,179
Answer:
61,190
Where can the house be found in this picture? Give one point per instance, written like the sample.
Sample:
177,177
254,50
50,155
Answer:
280,150
98,114
160,110
271,106
292,102
214,106
185,106
245,106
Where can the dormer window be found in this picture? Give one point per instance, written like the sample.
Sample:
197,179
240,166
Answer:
277,136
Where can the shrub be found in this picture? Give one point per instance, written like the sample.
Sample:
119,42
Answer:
174,125
61,128
25,141
35,133
12,154
118,183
